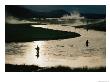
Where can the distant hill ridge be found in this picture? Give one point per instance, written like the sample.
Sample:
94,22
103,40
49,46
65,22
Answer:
21,12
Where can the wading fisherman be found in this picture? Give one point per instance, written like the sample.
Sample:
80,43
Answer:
37,51
87,43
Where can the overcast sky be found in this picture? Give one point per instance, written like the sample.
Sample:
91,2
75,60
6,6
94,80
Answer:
82,8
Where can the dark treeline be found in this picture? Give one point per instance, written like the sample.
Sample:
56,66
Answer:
33,68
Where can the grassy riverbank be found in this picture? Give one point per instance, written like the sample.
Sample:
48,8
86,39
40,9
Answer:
97,26
25,32
33,68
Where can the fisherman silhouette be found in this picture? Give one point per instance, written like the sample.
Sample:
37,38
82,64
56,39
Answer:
87,22
87,28
37,51
87,43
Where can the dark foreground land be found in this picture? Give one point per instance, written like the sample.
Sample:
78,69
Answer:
97,26
33,68
25,32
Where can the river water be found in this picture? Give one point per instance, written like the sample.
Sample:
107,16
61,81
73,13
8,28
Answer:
66,52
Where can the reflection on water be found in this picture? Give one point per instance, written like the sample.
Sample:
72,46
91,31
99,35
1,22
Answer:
44,26
68,52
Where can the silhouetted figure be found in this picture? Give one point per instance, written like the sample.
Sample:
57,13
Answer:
87,43
87,28
37,51
87,21
87,24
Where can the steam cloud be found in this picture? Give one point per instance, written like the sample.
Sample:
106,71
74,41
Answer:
14,20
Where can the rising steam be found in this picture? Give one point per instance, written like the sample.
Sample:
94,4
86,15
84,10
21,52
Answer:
14,20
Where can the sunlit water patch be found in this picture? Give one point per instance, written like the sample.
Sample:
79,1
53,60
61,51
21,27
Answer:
67,52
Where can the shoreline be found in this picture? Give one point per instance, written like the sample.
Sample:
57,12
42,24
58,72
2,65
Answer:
33,68
27,33
97,26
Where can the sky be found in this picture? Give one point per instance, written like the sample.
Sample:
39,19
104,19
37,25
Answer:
98,9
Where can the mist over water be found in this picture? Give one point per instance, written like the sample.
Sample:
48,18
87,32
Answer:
55,38
14,20
67,52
